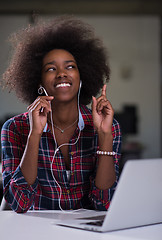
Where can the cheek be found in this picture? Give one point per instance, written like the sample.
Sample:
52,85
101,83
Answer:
77,76
47,77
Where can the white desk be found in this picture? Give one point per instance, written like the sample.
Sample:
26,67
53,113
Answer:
38,225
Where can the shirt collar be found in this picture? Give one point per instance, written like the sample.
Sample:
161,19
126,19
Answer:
81,121
85,117
45,128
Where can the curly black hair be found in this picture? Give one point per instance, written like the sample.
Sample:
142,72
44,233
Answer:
31,44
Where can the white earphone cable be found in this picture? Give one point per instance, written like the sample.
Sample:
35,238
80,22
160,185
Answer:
58,147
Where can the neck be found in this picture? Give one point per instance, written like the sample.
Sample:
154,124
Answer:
64,114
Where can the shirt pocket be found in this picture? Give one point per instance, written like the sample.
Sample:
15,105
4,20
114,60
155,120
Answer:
83,168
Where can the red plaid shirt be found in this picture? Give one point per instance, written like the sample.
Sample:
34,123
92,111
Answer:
79,191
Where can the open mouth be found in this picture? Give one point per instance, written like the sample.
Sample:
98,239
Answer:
62,85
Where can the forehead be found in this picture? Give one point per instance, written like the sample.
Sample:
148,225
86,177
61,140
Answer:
58,55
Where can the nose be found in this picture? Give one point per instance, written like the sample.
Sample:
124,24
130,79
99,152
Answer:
61,73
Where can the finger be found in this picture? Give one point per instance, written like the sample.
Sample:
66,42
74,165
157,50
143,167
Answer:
101,104
40,99
104,90
41,105
33,104
103,93
101,98
48,98
104,106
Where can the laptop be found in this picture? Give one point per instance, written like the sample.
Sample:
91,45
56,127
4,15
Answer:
137,200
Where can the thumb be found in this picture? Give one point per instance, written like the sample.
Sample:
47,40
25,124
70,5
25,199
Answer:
94,104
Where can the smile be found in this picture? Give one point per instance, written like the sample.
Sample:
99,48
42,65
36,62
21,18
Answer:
61,85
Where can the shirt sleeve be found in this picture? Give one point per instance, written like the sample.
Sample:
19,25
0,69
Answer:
17,192
101,198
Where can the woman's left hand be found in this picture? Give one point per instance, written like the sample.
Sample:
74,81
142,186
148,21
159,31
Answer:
102,113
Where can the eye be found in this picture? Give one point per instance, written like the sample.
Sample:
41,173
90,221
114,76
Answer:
70,66
51,69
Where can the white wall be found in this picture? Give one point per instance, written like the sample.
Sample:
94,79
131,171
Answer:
133,44
9,103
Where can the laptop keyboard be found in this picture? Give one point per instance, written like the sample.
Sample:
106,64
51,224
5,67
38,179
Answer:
97,223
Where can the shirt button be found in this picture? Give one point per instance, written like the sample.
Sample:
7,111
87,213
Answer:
68,191
72,173
72,153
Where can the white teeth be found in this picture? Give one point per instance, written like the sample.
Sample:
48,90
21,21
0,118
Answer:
63,85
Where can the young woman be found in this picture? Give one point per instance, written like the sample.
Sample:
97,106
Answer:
60,154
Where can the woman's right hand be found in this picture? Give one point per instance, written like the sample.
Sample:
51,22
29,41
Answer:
38,112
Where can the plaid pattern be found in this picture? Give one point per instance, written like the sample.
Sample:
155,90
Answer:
77,192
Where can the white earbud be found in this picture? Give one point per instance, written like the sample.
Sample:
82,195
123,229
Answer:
41,89
80,84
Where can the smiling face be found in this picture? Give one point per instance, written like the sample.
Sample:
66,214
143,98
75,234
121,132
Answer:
60,75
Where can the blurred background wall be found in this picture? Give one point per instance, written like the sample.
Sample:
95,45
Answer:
131,30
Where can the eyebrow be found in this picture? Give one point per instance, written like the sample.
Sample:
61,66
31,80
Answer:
53,62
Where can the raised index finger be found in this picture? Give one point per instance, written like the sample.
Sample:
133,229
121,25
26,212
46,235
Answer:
104,90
